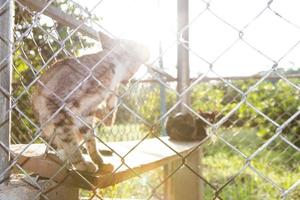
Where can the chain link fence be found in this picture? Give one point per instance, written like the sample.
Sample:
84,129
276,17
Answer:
252,147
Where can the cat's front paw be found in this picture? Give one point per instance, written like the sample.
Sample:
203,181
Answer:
86,166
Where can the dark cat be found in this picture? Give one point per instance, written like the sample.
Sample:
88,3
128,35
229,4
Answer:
185,127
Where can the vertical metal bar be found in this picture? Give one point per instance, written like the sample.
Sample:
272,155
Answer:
184,184
183,70
6,41
162,90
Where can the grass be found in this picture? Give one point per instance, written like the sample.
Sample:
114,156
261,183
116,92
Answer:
221,163
278,162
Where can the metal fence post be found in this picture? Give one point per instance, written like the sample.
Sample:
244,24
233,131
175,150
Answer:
162,91
183,70
184,184
6,41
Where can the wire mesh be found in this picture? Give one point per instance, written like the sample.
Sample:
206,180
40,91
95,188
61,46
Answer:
252,147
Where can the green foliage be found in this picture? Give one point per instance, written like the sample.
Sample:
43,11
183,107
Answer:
221,163
277,100
151,109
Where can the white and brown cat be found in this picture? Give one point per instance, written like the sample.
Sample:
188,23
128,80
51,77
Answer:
83,91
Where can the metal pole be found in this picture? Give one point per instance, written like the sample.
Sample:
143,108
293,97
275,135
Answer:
183,70
162,89
6,42
184,184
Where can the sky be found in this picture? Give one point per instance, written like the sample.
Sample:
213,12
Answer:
154,21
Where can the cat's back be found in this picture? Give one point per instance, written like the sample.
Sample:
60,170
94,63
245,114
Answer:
71,79
66,75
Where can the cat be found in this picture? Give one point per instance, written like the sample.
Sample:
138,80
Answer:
185,127
114,65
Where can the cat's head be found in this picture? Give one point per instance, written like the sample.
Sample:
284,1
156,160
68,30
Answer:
209,116
130,53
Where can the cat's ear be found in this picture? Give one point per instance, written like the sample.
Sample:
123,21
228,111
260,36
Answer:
211,116
107,42
200,112
215,114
